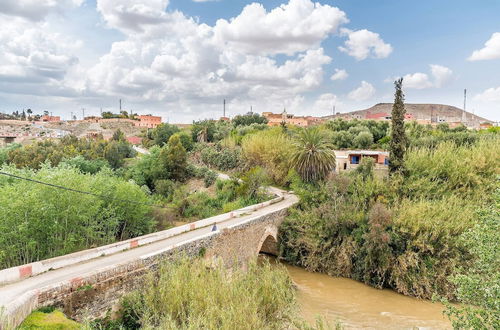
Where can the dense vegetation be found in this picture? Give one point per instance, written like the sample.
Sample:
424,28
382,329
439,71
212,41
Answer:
98,151
400,234
478,284
189,295
39,222
57,221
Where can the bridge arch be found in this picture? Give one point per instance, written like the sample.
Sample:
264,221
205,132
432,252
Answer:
268,243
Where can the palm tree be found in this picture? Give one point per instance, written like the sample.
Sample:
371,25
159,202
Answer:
312,156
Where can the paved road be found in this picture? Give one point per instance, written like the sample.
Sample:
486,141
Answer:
14,290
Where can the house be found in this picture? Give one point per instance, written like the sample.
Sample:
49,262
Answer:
47,118
274,119
350,159
148,121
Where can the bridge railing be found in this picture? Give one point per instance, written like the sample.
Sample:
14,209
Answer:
14,274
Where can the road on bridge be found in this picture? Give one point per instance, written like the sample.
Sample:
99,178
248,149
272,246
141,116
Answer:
9,292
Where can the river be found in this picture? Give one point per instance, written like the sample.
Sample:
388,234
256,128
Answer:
358,306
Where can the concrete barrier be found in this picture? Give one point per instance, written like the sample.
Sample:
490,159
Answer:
14,274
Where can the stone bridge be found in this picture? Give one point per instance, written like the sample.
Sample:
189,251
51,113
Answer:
88,284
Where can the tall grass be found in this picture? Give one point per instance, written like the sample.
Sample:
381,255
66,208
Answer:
187,294
269,149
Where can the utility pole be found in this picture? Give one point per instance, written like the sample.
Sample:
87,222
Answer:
224,108
464,116
83,113
333,110
120,105
251,109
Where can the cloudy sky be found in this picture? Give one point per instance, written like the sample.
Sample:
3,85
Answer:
181,58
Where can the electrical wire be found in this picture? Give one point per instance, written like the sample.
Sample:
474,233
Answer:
78,191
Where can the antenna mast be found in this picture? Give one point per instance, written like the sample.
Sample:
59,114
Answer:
464,117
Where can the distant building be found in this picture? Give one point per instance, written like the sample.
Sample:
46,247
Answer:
350,159
274,119
51,118
148,121
485,125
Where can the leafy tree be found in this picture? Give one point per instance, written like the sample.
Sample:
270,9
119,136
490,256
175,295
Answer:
175,158
162,133
186,140
203,130
363,140
312,156
398,135
248,119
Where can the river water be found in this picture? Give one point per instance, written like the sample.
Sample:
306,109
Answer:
358,306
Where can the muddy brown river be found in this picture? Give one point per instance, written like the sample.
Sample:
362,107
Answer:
358,306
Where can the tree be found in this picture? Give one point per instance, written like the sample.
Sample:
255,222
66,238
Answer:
312,156
176,158
248,119
162,133
363,140
397,145
203,130
118,135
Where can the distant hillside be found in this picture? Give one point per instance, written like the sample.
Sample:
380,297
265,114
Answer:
423,112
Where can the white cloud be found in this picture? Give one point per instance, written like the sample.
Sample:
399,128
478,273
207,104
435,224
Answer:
339,74
490,51
416,80
362,44
34,10
33,59
177,60
363,92
440,77
324,104
133,15
489,95
287,29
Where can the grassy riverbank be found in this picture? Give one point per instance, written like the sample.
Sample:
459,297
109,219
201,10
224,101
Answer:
398,233
191,294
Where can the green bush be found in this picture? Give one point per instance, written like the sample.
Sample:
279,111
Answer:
223,159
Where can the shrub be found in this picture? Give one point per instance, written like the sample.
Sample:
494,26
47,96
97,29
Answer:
221,158
269,149
209,178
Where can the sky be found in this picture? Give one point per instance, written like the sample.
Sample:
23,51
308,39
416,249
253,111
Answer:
181,58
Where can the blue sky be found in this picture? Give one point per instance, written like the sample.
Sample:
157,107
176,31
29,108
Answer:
180,58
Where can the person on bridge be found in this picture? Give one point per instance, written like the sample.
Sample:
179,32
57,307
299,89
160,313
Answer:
214,228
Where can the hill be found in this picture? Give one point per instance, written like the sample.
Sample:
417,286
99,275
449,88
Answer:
431,113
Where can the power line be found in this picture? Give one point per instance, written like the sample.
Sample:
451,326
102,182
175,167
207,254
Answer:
78,191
